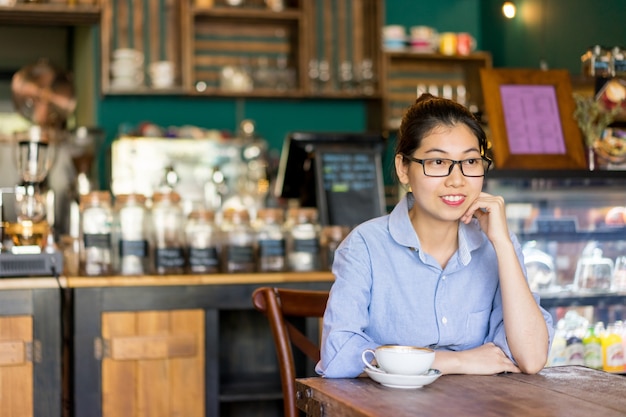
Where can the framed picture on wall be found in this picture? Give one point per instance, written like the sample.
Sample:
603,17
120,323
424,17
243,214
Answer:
531,119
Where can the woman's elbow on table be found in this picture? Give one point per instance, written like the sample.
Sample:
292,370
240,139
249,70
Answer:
532,365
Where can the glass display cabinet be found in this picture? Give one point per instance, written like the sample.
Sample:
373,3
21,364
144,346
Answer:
572,225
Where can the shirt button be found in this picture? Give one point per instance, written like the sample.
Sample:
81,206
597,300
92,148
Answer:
444,277
444,320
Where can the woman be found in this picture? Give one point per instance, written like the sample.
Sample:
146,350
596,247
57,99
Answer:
441,270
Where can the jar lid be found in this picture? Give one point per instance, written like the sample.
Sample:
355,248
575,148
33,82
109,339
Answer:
130,198
172,196
335,232
95,197
303,214
236,215
276,214
202,214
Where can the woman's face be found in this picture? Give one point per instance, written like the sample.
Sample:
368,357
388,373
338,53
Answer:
442,198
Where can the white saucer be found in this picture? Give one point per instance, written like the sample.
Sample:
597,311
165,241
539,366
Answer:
403,381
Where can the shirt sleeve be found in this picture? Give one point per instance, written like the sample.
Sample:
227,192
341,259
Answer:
346,316
496,322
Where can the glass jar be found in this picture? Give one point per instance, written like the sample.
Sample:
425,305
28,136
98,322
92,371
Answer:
131,248
303,240
238,251
596,62
270,237
168,237
203,243
96,217
618,62
331,237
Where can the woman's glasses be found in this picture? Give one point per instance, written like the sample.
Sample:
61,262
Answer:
439,167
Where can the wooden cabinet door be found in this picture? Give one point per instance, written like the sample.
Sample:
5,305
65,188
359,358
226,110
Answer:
16,366
153,363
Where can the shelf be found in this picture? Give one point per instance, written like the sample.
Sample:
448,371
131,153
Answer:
480,56
247,13
568,299
618,233
408,73
50,14
571,176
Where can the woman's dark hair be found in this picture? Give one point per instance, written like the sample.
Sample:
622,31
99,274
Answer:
429,112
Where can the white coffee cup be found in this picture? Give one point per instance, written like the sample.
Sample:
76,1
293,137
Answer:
162,74
124,69
399,359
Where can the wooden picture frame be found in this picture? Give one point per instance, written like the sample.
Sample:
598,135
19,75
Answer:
531,118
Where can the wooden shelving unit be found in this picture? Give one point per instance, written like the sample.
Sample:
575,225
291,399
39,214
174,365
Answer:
301,51
50,14
407,71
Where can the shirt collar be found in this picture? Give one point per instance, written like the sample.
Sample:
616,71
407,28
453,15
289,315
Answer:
471,236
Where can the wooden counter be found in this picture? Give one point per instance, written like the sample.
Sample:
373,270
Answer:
215,279
189,345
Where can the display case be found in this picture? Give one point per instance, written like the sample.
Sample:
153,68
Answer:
572,226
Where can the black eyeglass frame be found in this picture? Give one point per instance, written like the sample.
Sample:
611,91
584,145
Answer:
421,162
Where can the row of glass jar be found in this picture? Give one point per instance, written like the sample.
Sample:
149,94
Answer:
128,238
600,61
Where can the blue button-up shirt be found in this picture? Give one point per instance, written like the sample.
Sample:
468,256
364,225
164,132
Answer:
388,291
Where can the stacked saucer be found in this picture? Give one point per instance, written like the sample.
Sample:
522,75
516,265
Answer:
127,69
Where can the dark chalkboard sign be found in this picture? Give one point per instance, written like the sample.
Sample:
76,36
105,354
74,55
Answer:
349,185
339,173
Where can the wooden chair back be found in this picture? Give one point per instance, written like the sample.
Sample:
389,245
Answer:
278,305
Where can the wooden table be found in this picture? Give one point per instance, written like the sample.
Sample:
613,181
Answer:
559,391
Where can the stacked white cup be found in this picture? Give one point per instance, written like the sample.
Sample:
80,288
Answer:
127,69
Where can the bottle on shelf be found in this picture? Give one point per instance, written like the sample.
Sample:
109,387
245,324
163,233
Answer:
612,350
574,349
592,348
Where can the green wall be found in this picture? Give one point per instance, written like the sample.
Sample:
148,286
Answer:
557,31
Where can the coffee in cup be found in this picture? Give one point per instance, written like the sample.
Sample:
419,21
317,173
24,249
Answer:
399,359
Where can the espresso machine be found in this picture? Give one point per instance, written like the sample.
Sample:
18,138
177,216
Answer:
44,95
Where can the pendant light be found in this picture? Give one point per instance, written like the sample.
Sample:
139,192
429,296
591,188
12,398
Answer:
508,9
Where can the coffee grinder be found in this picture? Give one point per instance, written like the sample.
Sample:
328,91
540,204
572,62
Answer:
44,95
